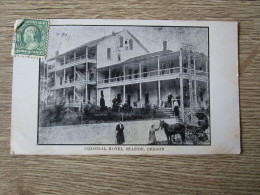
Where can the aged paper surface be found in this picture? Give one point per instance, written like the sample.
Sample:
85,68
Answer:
129,87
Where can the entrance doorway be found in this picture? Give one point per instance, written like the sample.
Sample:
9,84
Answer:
128,100
146,98
119,100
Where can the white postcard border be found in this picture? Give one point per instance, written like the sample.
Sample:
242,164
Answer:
224,97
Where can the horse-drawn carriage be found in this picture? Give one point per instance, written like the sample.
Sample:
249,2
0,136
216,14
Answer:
189,133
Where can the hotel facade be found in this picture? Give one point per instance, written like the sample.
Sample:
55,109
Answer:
120,66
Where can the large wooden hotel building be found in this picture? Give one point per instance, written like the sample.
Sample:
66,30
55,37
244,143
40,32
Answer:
120,66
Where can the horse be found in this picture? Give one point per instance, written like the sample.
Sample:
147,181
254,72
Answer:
173,129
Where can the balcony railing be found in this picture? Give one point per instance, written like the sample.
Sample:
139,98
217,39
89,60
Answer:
154,73
69,62
74,60
69,83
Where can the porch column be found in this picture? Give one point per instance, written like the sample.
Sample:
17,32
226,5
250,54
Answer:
124,71
97,76
74,73
140,93
158,64
64,97
190,86
86,63
123,94
74,94
110,101
140,71
195,93
86,71
194,62
109,74
180,60
64,76
159,93
75,55
181,100
86,94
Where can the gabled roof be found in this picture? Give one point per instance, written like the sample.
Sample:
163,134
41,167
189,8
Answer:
144,57
95,42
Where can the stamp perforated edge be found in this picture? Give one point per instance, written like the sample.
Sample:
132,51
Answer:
18,23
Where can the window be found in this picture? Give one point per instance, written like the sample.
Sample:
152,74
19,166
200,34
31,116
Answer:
131,44
109,53
121,41
125,42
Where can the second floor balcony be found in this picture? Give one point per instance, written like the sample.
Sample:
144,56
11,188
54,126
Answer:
70,82
157,74
62,64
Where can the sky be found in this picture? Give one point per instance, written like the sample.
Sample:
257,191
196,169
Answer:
65,38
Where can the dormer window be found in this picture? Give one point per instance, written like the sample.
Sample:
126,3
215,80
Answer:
121,41
131,44
109,53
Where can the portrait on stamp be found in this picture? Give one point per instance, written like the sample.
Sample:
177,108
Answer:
31,37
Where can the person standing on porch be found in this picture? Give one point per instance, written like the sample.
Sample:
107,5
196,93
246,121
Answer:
152,138
120,133
169,100
102,103
176,108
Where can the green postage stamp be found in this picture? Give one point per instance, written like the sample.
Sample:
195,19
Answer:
31,37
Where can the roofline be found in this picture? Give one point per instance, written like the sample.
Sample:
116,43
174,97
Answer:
138,42
89,44
96,41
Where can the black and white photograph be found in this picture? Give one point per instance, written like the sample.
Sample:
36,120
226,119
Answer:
130,85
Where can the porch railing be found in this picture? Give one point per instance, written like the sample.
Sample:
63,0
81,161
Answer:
69,82
154,73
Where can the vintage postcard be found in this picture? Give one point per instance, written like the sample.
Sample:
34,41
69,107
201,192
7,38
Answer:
125,87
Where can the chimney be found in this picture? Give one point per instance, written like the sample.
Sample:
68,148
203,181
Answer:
164,45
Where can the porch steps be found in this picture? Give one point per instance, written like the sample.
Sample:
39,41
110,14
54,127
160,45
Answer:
169,112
